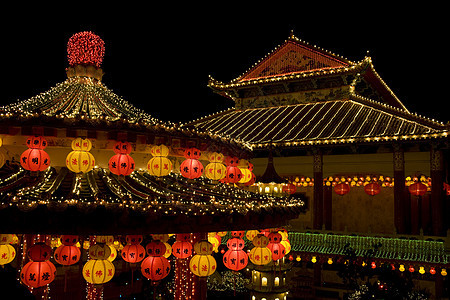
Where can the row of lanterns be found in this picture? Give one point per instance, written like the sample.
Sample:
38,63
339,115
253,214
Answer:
99,269
80,160
373,188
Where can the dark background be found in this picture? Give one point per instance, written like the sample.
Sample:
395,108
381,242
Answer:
159,55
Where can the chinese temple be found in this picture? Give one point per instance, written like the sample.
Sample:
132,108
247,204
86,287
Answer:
87,177
371,172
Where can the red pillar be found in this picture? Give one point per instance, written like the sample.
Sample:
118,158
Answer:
318,191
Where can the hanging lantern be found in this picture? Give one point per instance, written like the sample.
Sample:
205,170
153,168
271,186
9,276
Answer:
203,263
99,251
38,273
104,239
156,248
69,240
275,246
35,160
155,268
168,252
215,170
260,255
98,271
235,258
289,188
341,188
233,174
251,234
39,252
121,164
182,248
238,234
191,168
417,189
122,148
160,237
80,160
113,254
67,255
133,253
159,164
36,142
214,240
134,239
246,173
372,189
7,254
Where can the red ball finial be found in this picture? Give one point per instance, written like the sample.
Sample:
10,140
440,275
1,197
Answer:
85,48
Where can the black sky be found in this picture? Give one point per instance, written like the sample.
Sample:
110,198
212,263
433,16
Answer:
159,58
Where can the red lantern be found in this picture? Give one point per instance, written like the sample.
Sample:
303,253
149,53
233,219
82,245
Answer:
289,188
36,142
182,249
191,168
238,234
192,153
133,253
372,189
134,239
38,273
275,246
235,244
35,160
69,240
235,259
39,252
121,164
155,268
122,148
234,174
418,189
155,248
341,188
67,255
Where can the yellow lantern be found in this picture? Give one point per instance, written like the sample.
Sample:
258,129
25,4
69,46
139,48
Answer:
215,170
113,254
246,175
168,250
163,237
7,254
98,271
6,238
250,234
80,160
159,164
287,245
222,233
260,256
215,243
202,265
444,272
401,268
105,239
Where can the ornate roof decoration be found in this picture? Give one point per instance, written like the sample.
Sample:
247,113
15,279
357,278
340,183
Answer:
168,201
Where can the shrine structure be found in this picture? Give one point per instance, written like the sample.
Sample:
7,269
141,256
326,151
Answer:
368,167
79,160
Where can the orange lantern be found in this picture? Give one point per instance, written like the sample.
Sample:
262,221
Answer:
372,189
67,255
191,168
234,174
235,258
133,253
275,246
156,248
38,273
341,188
121,164
182,248
418,189
35,160
155,268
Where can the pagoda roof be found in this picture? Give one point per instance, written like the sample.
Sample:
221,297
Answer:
107,203
348,120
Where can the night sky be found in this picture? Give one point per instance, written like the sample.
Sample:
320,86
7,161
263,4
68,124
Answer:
159,58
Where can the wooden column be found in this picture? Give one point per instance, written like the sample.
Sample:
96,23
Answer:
400,219
318,190
328,207
437,192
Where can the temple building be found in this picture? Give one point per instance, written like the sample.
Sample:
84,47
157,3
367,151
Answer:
370,170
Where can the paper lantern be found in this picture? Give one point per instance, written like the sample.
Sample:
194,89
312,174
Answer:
122,148
182,249
191,168
36,142
214,240
38,273
163,237
81,144
192,153
156,248
98,271
260,240
202,265
133,253
160,150
260,256
275,246
246,175
238,233
168,252
417,189
155,268
67,255
159,166
215,171
39,252
80,161
113,254
372,189
203,247
134,239
7,254
233,175
121,164
6,238
235,244
251,234
69,240
341,188
99,251
235,260
289,188
104,239
35,160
